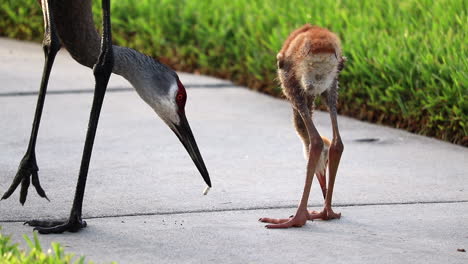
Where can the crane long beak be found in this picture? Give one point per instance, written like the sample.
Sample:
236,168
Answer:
185,135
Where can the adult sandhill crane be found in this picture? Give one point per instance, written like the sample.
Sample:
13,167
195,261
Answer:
71,23
308,66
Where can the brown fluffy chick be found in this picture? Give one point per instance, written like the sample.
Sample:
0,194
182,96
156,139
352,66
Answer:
308,66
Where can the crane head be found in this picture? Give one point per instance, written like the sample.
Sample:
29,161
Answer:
168,101
181,128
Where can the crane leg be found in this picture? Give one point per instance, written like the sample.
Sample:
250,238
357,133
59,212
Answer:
322,178
334,156
102,71
302,132
315,149
28,169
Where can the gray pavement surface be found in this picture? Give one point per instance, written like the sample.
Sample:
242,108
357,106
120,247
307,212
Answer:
404,198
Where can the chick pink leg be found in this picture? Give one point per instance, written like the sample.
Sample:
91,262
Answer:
334,156
316,146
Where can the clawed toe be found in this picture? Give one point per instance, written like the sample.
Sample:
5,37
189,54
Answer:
42,223
27,173
37,185
274,220
48,227
326,214
292,221
287,223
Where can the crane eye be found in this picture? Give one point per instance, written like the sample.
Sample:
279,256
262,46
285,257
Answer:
181,95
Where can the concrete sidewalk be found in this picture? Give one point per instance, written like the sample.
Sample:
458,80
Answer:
403,197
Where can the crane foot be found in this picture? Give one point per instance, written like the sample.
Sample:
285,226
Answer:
297,220
55,227
326,214
27,173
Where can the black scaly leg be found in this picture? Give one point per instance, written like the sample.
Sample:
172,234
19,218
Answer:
102,72
28,169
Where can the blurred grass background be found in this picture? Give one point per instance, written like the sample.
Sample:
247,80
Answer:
407,60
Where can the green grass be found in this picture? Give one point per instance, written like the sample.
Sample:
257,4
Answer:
407,66
11,254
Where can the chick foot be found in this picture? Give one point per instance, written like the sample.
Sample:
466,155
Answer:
326,214
297,220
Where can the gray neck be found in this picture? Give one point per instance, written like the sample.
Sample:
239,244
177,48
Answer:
75,25
150,78
131,65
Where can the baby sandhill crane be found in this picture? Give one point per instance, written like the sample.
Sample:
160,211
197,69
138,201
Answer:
308,66
71,23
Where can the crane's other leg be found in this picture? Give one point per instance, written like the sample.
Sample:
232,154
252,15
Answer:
334,156
322,178
27,171
302,132
300,126
316,146
102,71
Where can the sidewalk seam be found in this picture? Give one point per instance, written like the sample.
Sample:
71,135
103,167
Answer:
251,209
110,90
